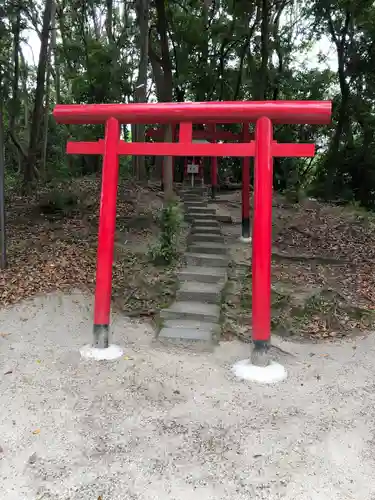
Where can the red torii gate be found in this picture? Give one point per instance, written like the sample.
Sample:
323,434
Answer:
264,149
211,133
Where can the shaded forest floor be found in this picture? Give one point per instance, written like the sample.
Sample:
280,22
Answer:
323,279
323,258
52,243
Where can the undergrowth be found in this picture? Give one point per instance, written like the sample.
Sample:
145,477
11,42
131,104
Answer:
323,313
165,251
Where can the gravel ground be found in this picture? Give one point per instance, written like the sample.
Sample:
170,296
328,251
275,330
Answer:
171,424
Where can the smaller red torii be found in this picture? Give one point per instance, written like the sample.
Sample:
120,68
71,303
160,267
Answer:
209,133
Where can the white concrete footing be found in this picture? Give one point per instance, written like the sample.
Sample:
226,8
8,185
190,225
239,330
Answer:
109,353
245,240
270,374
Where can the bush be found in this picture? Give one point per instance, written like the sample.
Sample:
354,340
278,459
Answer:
165,251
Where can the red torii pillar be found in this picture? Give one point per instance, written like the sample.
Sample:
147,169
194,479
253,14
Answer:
264,149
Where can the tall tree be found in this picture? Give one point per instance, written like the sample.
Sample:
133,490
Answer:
30,168
162,68
143,14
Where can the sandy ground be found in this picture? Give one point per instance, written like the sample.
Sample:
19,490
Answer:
175,425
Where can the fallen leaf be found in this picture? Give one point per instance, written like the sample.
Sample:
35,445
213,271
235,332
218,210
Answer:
37,431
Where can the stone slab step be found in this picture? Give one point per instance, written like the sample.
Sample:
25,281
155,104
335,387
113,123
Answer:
186,202
198,192
225,219
204,237
196,291
197,228
187,192
202,274
192,196
204,214
211,247
192,310
198,202
193,206
193,209
189,330
204,259
195,189
205,222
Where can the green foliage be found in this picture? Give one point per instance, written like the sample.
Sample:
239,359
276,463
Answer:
316,50
165,251
11,181
126,167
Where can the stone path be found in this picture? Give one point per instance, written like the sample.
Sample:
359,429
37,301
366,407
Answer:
195,315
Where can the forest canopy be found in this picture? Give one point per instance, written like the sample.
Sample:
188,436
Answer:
136,51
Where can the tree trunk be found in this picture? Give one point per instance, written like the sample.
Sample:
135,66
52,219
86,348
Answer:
164,87
15,104
263,75
51,50
109,20
343,123
143,14
56,57
30,163
3,252
340,42
157,71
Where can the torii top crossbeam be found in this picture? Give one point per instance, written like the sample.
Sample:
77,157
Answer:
284,112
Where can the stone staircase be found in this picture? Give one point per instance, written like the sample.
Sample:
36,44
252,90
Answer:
195,315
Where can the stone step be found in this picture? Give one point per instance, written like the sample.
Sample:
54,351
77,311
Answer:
193,237
225,219
214,229
204,259
197,311
205,222
195,291
202,274
192,198
208,248
199,202
201,210
194,206
199,188
198,193
203,215
189,330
